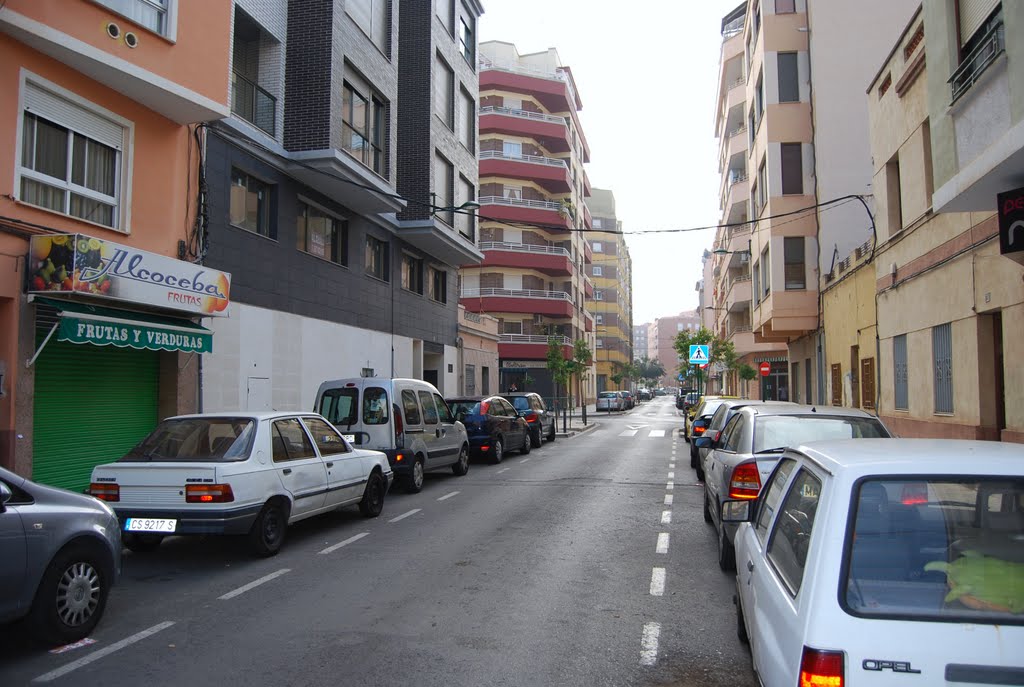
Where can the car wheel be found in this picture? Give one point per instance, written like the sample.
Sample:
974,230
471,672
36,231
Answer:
141,543
726,552
461,466
536,439
700,473
707,509
551,434
741,626
373,496
267,534
527,444
72,595
414,484
497,452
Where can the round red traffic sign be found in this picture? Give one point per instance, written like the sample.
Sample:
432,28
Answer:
765,369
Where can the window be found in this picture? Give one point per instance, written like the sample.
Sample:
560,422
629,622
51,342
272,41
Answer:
515,104
372,17
485,381
512,192
759,97
785,6
512,149
152,14
793,247
444,191
446,13
893,196
762,187
250,203
470,380
598,318
410,408
791,534
467,120
340,406
444,413
465,219
598,270
325,437
792,169
429,409
364,128
512,327
74,170
377,258
899,372
867,382
467,37
290,441
837,384
766,271
412,273
772,495
598,295
598,223
319,234
444,92
756,15
942,358
375,406
789,77
437,285
598,247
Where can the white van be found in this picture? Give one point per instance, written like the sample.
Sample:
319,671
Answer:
407,419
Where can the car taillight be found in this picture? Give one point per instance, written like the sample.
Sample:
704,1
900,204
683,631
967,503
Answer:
484,408
532,417
715,435
399,428
821,668
697,429
105,492
208,493
914,494
745,482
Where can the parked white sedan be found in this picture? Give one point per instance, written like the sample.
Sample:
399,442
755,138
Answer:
885,562
238,473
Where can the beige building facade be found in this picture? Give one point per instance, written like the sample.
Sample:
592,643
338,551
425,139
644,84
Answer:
611,298
950,305
478,353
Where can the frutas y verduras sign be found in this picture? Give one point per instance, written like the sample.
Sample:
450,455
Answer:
95,267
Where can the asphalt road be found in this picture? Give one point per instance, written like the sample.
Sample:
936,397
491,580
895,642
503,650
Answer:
575,565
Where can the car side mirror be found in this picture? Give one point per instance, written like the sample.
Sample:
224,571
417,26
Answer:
738,511
704,442
5,495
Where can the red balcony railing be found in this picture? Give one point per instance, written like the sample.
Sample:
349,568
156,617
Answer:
556,303
548,259
550,131
545,212
549,172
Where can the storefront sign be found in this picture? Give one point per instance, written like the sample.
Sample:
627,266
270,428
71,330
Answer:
524,364
1011,221
104,269
133,335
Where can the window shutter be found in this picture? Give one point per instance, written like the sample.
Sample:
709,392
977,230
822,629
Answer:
973,14
867,383
56,109
837,384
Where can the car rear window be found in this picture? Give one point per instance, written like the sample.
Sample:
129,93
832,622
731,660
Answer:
520,402
780,431
464,407
938,548
608,394
340,406
196,440
375,406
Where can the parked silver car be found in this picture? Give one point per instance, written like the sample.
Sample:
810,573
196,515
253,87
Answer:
610,400
60,553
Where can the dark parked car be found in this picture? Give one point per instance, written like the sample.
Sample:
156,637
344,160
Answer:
539,418
628,400
60,553
492,424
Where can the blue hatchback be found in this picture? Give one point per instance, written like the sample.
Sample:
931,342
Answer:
492,425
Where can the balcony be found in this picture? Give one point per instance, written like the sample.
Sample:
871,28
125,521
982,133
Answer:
253,104
556,303
530,346
548,213
550,131
737,190
992,46
588,220
734,146
588,253
588,287
737,295
551,260
785,315
588,322
549,172
587,191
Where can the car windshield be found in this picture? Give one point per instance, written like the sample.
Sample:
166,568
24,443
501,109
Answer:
464,407
339,406
520,402
196,439
778,431
943,548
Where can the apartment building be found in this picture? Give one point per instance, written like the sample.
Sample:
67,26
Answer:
533,210
100,296
640,340
337,274
946,111
790,94
662,341
611,276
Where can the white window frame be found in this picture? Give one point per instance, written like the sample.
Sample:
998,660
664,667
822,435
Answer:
123,204
597,247
171,17
598,295
598,271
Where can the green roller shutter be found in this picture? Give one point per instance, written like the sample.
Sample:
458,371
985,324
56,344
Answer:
92,404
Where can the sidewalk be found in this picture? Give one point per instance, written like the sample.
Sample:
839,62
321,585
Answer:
573,423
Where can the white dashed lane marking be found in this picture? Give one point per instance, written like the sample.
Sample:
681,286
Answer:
649,644
255,583
100,653
348,541
666,517
657,581
447,496
403,516
668,499
502,470
655,433
662,546
669,486
628,433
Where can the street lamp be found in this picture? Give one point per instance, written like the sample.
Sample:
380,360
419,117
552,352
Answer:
434,208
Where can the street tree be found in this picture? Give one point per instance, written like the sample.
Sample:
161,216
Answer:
648,371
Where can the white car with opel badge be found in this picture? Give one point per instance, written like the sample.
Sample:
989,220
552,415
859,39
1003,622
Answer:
238,473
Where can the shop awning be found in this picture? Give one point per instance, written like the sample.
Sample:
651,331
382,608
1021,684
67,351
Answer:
82,323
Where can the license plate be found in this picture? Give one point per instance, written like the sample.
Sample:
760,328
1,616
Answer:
350,438
150,525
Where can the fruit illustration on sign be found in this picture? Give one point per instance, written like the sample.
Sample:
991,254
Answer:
212,304
53,262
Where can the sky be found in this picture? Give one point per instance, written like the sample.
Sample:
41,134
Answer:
646,72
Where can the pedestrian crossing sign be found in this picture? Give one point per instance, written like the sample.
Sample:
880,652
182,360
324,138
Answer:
699,354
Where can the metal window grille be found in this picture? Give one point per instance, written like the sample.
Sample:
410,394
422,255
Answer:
899,372
471,380
942,358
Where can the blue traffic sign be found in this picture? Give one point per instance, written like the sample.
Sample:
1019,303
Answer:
699,354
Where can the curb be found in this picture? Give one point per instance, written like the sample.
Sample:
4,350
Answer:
578,430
